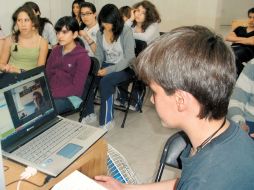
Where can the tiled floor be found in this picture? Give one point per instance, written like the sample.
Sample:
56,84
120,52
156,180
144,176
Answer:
142,140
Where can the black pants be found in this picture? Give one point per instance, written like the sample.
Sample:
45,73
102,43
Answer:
242,54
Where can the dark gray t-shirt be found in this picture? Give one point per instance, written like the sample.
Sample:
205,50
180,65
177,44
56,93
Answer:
227,162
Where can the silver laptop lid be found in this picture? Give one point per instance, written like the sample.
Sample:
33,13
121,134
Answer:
24,107
2,181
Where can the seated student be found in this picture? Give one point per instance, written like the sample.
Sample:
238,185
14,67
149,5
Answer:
67,66
241,103
145,21
88,34
46,29
75,12
25,49
220,155
115,51
125,12
243,42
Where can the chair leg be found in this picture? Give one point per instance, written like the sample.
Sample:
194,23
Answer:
129,103
159,173
140,104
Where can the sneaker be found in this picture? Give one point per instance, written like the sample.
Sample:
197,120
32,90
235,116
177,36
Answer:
133,108
120,104
110,125
89,118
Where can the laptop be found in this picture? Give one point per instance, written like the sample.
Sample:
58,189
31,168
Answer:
2,182
35,135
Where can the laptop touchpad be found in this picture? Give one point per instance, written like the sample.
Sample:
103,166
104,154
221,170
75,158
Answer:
69,150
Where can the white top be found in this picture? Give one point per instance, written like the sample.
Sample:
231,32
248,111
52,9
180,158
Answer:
92,34
49,34
152,32
113,51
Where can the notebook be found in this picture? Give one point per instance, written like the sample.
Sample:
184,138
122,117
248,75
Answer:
31,131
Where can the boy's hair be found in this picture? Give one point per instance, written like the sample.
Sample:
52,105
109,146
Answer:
110,14
125,11
195,60
250,11
88,5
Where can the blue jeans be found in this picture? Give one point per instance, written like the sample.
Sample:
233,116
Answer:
107,85
63,105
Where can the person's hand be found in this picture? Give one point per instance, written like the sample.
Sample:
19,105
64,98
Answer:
10,69
102,72
109,183
83,33
132,18
245,127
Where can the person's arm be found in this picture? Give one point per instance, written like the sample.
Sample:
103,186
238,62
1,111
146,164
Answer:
129,22
241,95
99,53
112,184
43,52
91,42
5,55
232,37
128,46
149,34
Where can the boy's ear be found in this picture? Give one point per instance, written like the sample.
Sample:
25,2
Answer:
180,100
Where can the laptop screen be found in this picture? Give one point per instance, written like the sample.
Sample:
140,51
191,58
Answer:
24,106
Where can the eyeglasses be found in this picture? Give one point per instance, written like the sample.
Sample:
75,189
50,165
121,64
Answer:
85,14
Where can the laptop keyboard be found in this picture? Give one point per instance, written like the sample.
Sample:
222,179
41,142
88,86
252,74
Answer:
44,145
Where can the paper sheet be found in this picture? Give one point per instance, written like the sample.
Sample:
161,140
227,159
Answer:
77,181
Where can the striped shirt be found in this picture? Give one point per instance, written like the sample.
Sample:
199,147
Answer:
241,105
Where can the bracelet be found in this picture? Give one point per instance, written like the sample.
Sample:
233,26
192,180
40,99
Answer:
91,43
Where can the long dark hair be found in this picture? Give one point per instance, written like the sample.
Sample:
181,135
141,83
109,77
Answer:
30,13
151,15
42,21
75,2
110,14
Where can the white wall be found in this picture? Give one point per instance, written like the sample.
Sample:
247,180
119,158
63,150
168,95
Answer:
52,9
234,9
174,13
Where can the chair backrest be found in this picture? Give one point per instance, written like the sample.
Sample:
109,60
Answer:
91,76
171,152
89,85
140,46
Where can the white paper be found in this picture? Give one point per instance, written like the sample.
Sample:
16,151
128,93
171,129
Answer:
77,181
